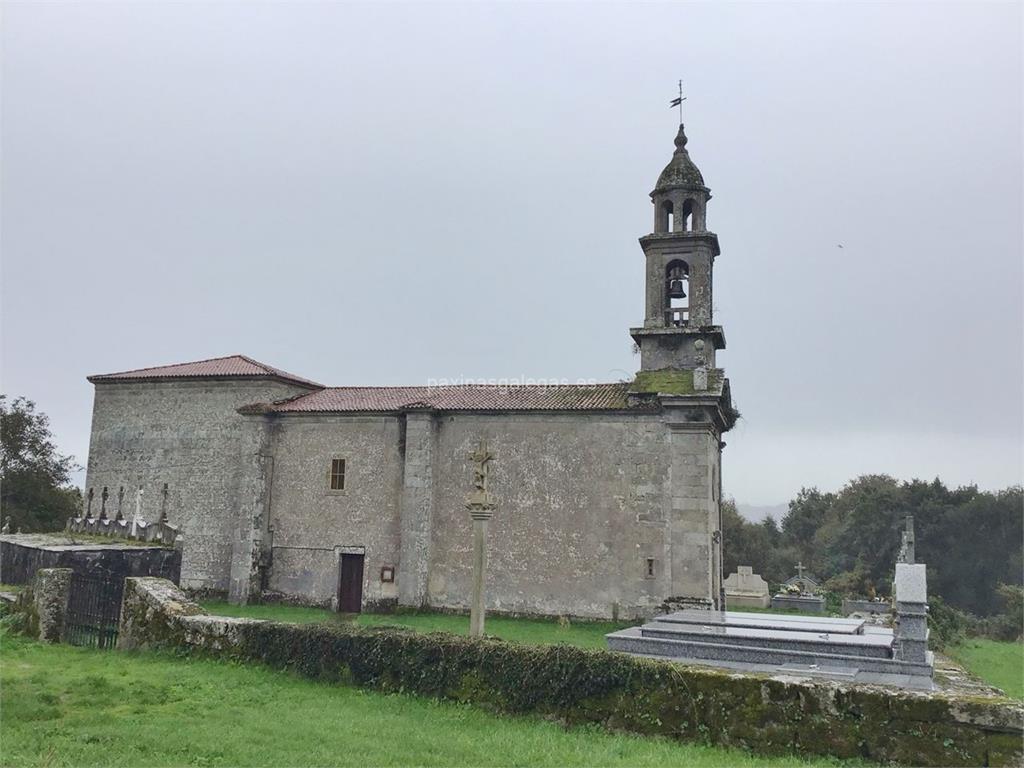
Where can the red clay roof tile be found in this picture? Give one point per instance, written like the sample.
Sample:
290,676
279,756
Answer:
582,397
218,367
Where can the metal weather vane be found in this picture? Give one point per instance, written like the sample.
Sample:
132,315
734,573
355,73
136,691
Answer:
678,102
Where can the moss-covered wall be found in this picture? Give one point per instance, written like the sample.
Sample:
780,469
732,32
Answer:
615,690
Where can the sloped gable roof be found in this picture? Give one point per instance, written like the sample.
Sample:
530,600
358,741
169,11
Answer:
580,397
231,366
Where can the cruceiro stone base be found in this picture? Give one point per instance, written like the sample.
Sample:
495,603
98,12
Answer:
846,649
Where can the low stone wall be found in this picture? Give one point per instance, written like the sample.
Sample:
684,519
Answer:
22,555
574,685
865,606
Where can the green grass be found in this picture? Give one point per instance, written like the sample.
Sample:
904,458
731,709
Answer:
585,634
998,664
64,706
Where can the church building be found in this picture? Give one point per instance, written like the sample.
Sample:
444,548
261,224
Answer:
355,497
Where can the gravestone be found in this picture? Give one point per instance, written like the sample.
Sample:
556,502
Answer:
911,613
800,594
746,589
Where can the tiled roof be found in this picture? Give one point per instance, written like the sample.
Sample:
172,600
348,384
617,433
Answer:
216,368
583,397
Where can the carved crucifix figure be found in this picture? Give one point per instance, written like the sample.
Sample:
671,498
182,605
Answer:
481,472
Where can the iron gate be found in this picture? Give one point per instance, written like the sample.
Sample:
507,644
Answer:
94,609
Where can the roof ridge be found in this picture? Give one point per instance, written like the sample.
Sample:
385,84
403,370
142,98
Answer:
175,365
243,365
510,385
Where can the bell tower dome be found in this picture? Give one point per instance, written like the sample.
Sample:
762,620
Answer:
679,331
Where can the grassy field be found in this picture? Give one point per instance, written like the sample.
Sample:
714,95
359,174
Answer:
586,634
64,706
998,664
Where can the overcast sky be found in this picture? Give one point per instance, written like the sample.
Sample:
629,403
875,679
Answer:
385,194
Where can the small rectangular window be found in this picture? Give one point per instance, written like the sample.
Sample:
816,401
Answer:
337,475
650,568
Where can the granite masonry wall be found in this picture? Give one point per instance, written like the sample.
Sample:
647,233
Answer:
188,435
311,525
600,514
583,503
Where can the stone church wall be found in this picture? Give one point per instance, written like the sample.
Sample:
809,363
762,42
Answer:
600,514
583,503
188,435
311,525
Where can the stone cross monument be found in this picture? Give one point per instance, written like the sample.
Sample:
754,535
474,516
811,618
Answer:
907,542
480,504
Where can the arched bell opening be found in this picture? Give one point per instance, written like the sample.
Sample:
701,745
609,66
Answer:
689,211
677,293
666,218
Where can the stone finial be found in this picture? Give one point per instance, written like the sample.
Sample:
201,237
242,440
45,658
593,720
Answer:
7,525
88,505
681,139
120,504
103,503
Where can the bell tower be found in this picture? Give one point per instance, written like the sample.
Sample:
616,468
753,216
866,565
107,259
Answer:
679,331
679,375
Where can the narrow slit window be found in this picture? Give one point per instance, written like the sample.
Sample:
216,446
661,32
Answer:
650,567
337,474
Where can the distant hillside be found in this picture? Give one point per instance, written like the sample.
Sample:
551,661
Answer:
756,513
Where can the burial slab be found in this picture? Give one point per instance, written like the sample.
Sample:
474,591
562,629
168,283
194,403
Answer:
746,589
848,649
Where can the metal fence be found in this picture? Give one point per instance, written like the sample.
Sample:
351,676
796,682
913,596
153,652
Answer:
94,609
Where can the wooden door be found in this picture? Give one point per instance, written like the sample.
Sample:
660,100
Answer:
350,584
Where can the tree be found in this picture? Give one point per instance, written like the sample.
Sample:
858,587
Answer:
971,540
35,481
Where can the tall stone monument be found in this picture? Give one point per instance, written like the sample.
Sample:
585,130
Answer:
481,505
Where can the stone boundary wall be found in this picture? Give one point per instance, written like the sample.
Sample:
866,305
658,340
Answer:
19,562
574,685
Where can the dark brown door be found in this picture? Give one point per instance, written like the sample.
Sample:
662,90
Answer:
350,585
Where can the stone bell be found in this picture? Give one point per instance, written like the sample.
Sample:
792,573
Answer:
675,289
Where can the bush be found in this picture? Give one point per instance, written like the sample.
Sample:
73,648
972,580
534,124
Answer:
948,625
579,686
